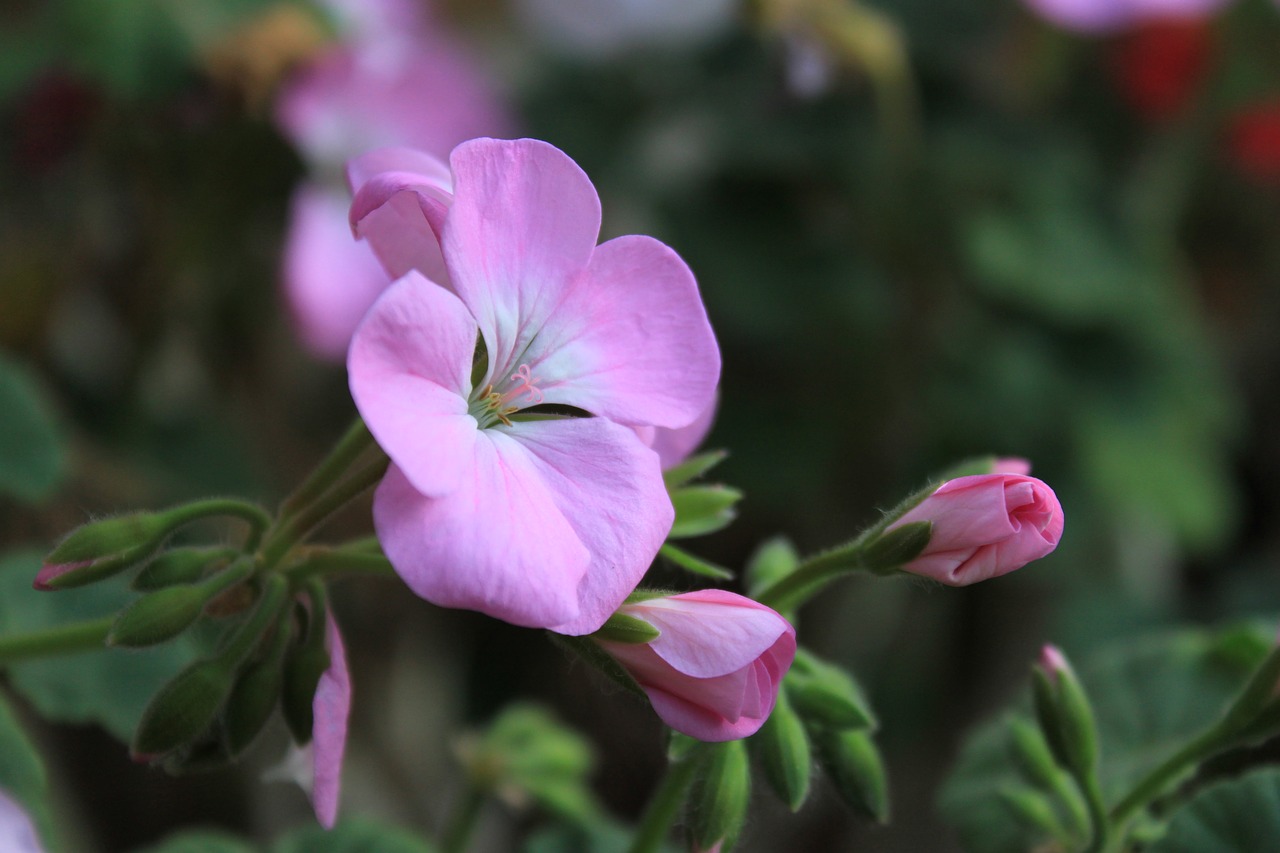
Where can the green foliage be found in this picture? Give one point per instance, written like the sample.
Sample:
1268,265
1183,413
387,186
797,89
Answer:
348,836
1149,698
109,687
1235,816
703,509
32,456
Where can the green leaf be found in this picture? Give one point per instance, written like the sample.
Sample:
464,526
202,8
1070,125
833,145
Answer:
693,468
697,565
22,774
32,460
357,835
109,687
201,842
605,836
702,509
1149,698
1238,816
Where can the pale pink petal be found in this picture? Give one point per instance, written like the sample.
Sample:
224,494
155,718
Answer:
497,543
965,512
431,170
631,341
673,446
698,722
401,214
609,487
409,368
329,279
17,833
331,709
722,695
1011,465
522,228
732,630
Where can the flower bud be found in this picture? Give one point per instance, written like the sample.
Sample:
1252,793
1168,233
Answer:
826,696
983,526
110,537
306,662
772,561
897,546
183,709
166,613
782,748
1032,755
719,796
256,693
855,767
1034,810
179,565
1064,712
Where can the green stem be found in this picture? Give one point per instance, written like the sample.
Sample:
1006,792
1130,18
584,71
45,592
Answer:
64,640
354,442
1160,779
1097,813
664,805
297,527
816,572
324,563
463,821
257,517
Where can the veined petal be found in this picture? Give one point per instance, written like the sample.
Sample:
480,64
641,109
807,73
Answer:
631,341
331,710
732,631
497,543
329,280
409,368
401,214
522,228
608,486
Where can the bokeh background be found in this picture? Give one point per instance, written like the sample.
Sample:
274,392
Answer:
924,230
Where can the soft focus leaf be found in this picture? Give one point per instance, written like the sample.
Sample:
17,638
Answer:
703,509
201,842
1149,698
360,835
1237,816
109,687
32,459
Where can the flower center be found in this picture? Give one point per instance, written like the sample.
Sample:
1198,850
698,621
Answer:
494,405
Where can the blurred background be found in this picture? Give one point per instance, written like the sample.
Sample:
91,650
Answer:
924,230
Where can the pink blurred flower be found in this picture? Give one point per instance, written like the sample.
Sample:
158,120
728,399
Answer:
714,670
395,78
542,521
985,526
17,833
331,709
1107,16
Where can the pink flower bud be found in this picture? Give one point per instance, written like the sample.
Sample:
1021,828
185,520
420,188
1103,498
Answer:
51,571
714,670
985,526
1052,661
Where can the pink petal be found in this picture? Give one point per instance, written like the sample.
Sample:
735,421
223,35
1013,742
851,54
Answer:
409,367
521,230
401,215
609,487
698,722
17,833
711,632
965,512
433,171
497,543
722,695
1104,16
331,708
631,341
673,446
329,279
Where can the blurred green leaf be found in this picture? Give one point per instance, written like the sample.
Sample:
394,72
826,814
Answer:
1238,816
703,509
1149,698
358,835
109,687
32,458
202,842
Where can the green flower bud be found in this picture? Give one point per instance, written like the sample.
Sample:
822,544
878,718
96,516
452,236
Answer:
621,628
166,613
179,565
855,767
1064,713
1034,810
826,696
256,693
108,538
772,561
897,547
1032,755
183,709
307,660
718,798
702,509
203,756
782,748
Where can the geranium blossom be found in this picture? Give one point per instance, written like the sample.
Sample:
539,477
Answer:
538,519
331,709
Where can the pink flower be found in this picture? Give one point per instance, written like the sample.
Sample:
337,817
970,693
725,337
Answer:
533,517
17,833
393,79
331,709
985,526
714,670
673,446
1104,16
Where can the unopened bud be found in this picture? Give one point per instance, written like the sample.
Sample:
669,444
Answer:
1034,811
826,696
1064,713
719,796
305,663
772,561
782,748
856,769
179,565
166,613
183,709
256,693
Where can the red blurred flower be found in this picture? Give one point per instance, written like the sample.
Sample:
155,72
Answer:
1158,66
